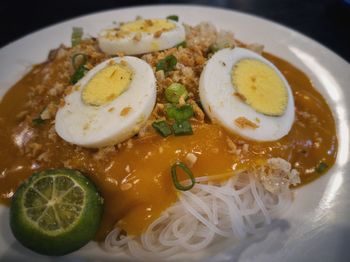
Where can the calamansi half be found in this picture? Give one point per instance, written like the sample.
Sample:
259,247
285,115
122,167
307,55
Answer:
56,211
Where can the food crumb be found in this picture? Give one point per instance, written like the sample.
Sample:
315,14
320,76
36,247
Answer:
120,54
45,157
215,150
111,62
137,37
245,148
129,144
191,159
148,155
243,123
157,34
125,111
62,103
126,186
232,146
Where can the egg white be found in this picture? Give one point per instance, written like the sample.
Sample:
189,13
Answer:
98,126
217,97
110,44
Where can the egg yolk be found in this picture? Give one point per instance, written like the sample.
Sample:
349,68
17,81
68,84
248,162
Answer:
107,84
148,26
260,87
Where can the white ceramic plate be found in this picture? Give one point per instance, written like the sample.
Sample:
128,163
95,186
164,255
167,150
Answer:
317,228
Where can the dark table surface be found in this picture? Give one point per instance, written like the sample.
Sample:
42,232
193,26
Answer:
326,21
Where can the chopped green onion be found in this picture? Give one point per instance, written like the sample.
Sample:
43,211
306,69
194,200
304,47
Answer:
179,114
182,44
188,172
321,167
162,128
173,17
182,129
77,35
167,64
78,74
78,60
213,48
174,92
38,121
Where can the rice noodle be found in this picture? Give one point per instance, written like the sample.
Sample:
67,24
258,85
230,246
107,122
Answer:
235,208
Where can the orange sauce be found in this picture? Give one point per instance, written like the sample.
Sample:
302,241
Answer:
135,181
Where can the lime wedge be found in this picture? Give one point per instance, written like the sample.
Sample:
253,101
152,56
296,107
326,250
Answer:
56,211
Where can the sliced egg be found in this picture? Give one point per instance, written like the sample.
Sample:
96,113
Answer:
109,104
247,95
141,36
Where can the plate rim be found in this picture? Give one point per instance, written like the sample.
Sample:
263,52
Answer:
329,52
276,23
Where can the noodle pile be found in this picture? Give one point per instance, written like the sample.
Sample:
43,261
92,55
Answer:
235,208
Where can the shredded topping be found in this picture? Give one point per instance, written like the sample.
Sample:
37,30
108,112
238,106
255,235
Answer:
243,123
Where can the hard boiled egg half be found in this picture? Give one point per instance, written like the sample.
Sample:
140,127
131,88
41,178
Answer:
109,104
141,36
247,95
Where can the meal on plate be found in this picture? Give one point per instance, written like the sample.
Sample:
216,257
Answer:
157,138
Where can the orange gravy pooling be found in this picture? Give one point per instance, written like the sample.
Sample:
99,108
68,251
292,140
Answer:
135,181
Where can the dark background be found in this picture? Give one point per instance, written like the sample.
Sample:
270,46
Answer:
326,21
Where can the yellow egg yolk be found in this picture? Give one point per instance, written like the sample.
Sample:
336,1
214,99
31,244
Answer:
148,26
107,84
260,87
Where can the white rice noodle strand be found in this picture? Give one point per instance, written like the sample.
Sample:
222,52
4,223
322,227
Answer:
235,208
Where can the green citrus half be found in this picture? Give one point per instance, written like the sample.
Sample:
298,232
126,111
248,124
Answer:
56,212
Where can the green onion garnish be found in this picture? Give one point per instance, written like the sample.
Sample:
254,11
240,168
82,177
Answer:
179,114
182,129
213,48
321,167
77,35
173,17
162,128
188,173
174,92
182,44
78,61
38,121
78,74
167,64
